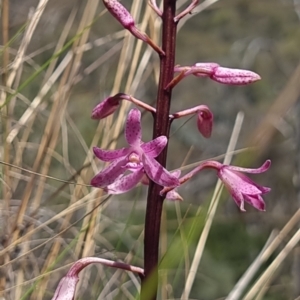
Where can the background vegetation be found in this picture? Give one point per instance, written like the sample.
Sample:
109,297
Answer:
59,59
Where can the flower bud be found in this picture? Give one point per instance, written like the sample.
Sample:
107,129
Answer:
106,108
120,13
205,120
234,76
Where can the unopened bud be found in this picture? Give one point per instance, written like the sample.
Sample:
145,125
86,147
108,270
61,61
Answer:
120,13
234,76
205,120
106,107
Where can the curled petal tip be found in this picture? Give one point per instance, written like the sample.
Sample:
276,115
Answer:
266,165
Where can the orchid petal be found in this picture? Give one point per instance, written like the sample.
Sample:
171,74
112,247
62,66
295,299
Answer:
66,288
154,147
109,174
242,188
158,173
265,166
133,130
109,155
133,166
245,182
237,196
176,173
125,183
174,196
208,65
238,181
203,69
256,201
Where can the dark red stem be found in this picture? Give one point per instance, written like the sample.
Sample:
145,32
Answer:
161,127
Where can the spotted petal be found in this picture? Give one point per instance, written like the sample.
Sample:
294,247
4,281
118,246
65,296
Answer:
266,165
109,174
133,130
109,155
158,173
248,182
154,147
125,183
238,181
66,288
237,196
256,201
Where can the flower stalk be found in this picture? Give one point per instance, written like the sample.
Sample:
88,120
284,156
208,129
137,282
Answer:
161,127
145,162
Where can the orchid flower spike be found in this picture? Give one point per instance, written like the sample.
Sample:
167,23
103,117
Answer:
138,158
243,188
127,21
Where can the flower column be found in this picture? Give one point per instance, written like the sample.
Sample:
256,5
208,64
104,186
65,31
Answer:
161,127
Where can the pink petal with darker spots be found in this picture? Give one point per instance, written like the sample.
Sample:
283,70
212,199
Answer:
133,130
154,147
109,155
109,174
125,183
157,173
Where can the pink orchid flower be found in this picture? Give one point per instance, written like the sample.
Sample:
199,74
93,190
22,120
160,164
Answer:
239,185
242,188
138,158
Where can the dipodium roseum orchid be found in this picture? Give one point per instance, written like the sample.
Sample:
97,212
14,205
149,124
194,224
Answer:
138,158
242,188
